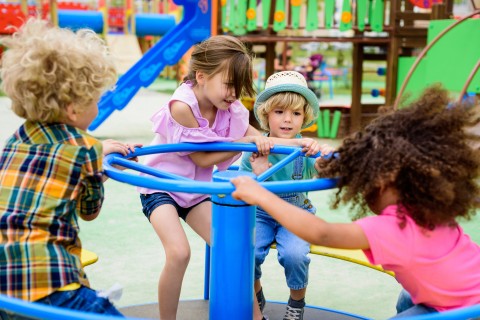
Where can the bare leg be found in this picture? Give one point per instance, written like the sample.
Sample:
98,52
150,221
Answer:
298,294
166,223
257,313
257,286
200,220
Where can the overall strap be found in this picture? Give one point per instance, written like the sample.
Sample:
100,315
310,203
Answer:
298,169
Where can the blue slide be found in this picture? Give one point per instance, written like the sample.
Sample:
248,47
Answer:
194,27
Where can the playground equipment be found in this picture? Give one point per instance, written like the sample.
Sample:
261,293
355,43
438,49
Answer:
324,129
229,290
377,93
194,28
379,31
75,15
400,36
39,311
444,37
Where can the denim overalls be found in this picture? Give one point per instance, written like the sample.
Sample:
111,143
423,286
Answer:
292,251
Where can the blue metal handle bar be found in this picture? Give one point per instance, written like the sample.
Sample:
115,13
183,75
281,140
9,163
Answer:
278,166
145,169
43,311
209,146
294,153
190,186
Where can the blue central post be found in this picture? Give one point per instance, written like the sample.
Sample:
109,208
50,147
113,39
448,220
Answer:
232,259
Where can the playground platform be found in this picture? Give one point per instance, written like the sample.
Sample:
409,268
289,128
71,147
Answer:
198,309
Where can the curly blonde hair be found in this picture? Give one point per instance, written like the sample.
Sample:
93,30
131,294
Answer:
284,100
47,69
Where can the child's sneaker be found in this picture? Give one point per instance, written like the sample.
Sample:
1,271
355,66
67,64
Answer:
293,313
261,300
294,309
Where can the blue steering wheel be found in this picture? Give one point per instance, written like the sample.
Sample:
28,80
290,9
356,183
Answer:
233,221
161,180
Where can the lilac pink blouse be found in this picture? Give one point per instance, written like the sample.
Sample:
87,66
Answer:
229,125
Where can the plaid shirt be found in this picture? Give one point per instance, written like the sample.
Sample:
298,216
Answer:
49,174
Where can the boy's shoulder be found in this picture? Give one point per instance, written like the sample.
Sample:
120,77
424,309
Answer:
36,133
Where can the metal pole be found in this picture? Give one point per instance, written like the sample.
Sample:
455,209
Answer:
232,259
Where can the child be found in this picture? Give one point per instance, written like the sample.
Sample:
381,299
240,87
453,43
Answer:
203,109
283,109
416,170
50,168
314,63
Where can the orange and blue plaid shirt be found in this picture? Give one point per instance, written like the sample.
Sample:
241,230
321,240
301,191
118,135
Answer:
49,174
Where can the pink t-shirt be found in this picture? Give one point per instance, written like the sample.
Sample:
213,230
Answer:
229,125
439,268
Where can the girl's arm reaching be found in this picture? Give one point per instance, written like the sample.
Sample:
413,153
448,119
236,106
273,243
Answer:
305,225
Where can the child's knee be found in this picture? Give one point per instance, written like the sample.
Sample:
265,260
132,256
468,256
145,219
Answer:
293,258
260,255
259,259
179,256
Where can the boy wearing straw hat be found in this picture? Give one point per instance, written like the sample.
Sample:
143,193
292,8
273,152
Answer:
283,109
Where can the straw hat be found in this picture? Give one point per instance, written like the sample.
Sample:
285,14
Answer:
292,81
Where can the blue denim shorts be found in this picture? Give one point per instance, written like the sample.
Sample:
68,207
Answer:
82,299
151,201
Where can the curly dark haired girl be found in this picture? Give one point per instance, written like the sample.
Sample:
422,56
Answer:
423,151
416,170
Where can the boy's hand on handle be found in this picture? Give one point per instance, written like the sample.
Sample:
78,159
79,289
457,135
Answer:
264,144
309,146
113,146
259,163
131,148
248,190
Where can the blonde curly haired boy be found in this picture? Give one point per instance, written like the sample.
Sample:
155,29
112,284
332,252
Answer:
51,168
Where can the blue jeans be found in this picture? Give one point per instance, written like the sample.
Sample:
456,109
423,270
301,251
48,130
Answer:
292,251
406,307
83,299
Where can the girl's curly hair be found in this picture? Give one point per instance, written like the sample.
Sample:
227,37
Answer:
424,151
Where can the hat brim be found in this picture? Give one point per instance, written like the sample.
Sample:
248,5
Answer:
305,92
